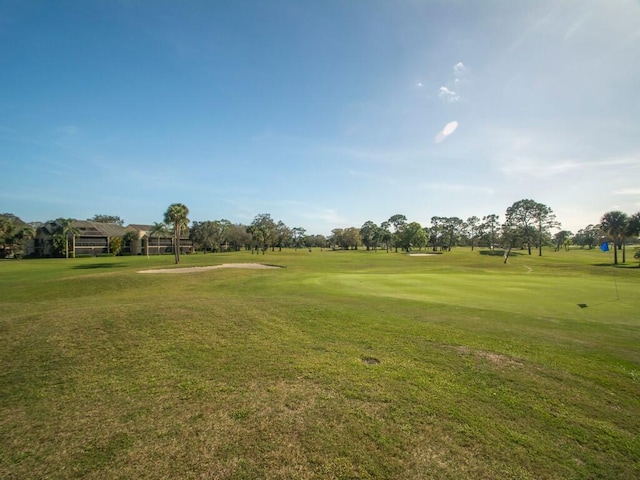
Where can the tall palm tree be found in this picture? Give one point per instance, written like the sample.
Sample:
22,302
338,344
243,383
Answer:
614,224
176,216
65,228
157,230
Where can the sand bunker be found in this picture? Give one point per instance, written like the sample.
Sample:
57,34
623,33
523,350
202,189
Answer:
422,254
246,266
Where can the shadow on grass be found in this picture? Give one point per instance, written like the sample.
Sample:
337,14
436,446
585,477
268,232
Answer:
585,305
620,265
93,266
498,253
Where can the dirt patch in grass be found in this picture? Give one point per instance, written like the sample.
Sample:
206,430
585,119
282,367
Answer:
245,266
496,358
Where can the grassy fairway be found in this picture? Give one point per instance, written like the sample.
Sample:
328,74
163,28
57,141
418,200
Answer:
340,365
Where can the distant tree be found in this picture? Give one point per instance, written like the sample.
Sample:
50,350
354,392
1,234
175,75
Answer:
20,239
369,234
65,229
337,238
263,229
588,236
562,239
412,235
545,220
286,235
209,235
636,255
298,237
14,235
351,237
8,229
531,220
453,228
200,236
491,228
158,230
614,225
385,234
318,241
107,219
176,217
115,245
397,221
128,240
237,236
474,229
437,232
633,226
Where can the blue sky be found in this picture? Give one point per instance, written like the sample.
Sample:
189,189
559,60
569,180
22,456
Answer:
324,114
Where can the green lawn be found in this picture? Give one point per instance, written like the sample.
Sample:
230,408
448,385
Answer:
339,365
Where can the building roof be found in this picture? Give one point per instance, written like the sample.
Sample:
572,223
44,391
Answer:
97,229
139,227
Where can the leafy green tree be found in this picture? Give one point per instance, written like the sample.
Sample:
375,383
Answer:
263,230
237,236
491,228
474,229
633,227
285,235
107,219
545,220
208,235
520,222
562,239
65,229
176,217
632,231
8,228
318,241
531,220
298,237
614,225
351,237
453,228
397,221
128,239
436,232
412,235
588,236
20,239
369,234
385,234
115,245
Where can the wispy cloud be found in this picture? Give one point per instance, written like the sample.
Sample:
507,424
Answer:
627,191
537,167
450,93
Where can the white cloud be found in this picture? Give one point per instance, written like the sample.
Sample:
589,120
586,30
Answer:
448,95
447,92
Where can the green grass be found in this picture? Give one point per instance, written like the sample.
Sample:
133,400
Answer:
340,365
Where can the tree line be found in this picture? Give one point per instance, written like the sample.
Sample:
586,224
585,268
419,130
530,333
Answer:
527,225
